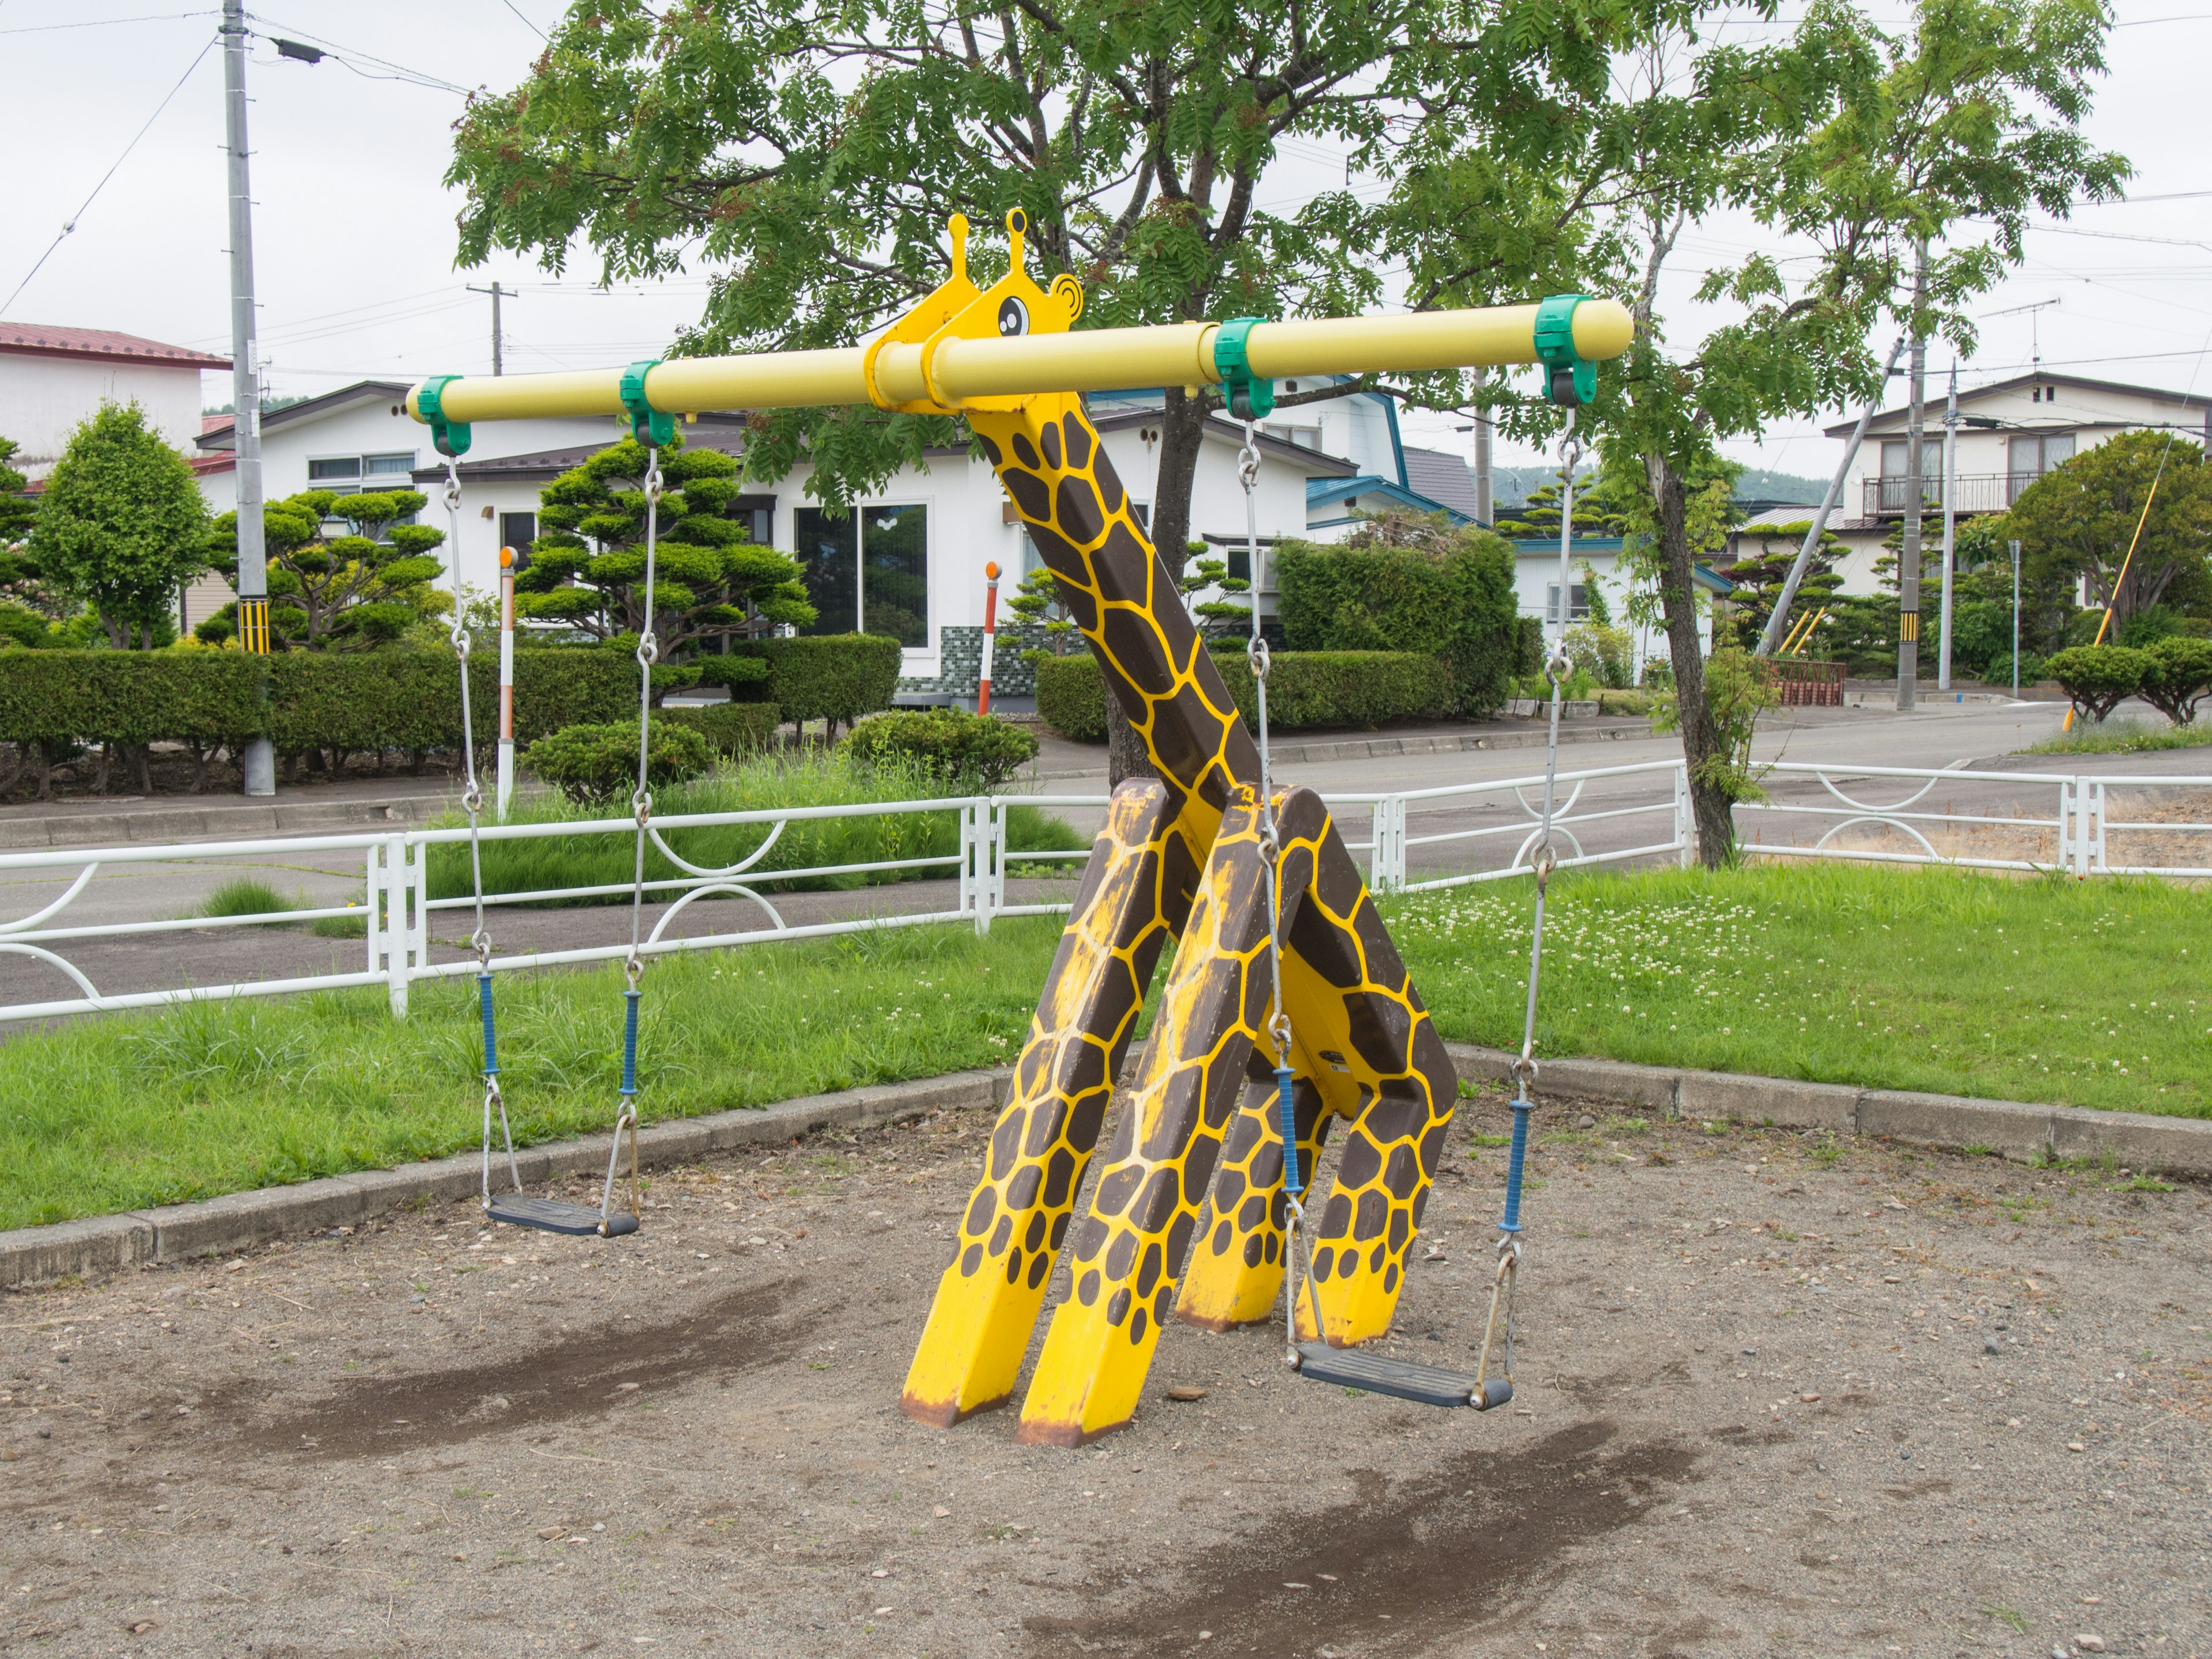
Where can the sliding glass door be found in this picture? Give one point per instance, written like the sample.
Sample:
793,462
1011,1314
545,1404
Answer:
868,572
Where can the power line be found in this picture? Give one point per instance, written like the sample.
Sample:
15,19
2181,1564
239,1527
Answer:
347,55
102,22
526,23
70,224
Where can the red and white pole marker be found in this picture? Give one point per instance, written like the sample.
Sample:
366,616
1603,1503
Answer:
990,636
505,677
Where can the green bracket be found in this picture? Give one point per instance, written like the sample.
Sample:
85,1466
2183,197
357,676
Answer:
1251,398
1569,379
450,437
647,424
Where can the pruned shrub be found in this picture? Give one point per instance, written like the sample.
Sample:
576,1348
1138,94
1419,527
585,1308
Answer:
2098,677
974,752
1071,695
595,764
2179,677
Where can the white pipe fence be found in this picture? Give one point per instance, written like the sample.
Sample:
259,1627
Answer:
1418,840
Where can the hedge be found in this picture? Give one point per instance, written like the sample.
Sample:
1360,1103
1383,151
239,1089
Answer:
367,701
594,765
976,752
1306,690
823,677
733,728
1455,601
2098,677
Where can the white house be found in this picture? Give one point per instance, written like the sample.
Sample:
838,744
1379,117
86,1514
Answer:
2010,432
53,379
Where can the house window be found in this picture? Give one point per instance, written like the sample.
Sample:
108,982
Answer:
823,547
757,514
1578,604
348,473
2031,455
895,573
1896,488
868,572
1305,437
518,530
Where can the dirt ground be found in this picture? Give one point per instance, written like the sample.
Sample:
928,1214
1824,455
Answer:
1777,1397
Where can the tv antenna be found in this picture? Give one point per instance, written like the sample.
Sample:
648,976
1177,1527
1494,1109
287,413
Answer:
2035,331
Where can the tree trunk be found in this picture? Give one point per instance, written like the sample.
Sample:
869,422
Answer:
1182,427
1708,806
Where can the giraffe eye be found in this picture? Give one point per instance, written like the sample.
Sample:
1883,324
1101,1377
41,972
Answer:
1014,317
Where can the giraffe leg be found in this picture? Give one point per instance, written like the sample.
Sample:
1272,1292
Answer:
1235,1272
1352,1006
1129,1250
1136,888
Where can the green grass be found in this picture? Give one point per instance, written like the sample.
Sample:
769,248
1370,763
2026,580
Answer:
815,778
219,1096
2081,993
2076,993
2123,738
245,896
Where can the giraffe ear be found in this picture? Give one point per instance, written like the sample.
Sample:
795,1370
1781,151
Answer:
1069,292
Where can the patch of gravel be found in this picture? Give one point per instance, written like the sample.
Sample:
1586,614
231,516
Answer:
1776,1395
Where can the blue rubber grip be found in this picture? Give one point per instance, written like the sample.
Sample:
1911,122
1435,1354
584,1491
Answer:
491,1042
1512,1222
1292,1184
629,1044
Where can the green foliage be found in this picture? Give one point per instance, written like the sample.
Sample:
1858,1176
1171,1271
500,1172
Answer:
1538,516
1736,694
2123,736
22,625
747,677
587,565
18,512
1039,604
121,524
128,697
2178,676
1766,553
2080,519
2098,677
595,765
832,677
974,753
1071,696
733,728
1409,583
1216,618
350,590
1998,670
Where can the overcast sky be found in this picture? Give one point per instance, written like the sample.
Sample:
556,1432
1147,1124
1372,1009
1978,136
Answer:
353,230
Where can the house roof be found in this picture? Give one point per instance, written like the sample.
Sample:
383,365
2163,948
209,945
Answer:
1317,466
1325,492
1997,388
216,431
1442,477
100,345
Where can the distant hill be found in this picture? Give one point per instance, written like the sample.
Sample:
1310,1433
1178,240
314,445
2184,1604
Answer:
1512,484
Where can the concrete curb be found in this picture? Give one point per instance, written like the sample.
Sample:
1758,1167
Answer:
2025,1133
177,1233
211,821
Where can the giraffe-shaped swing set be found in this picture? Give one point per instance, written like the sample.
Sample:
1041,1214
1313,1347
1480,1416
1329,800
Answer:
1287,1006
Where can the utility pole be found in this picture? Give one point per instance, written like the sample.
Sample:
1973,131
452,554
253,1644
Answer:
260,757
497,294
2015,620
1950,526
1485,490
1908,563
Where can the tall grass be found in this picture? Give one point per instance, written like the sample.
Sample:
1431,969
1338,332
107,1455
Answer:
2127,737
812,778
245,896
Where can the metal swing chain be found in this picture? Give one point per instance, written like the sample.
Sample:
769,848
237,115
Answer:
1279,1021
472,803
641,801
1544,862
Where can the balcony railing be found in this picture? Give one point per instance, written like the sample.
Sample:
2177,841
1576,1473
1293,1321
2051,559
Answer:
1977,492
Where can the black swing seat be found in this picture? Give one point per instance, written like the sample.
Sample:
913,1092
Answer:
551,1215
1401,1379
